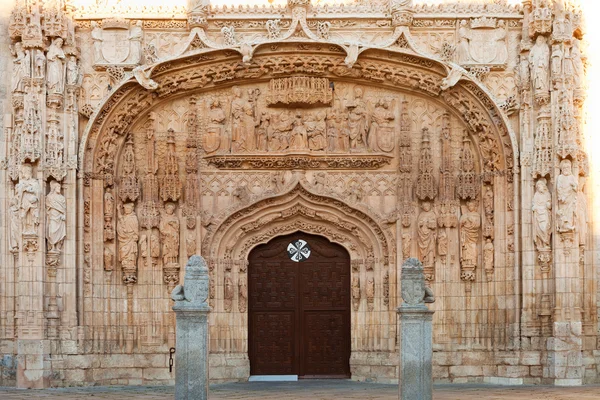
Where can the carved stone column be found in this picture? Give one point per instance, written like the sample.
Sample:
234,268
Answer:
416,334
192,310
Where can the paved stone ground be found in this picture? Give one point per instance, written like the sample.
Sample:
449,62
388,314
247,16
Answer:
313,390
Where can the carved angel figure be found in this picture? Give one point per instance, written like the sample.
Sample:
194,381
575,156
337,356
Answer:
566,188
542,218
55,75
169,232
28,195
56,211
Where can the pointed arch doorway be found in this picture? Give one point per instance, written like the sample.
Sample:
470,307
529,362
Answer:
299,308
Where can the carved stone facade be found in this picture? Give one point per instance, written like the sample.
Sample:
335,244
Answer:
133,142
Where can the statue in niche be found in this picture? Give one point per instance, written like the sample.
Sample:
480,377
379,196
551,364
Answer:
488,257
299,136
154,246
355,291
97,39
539,59
128,235
557,60
442,245
358,120
144,247
381,133
317,130
55,75
21,67
281,127
15,225
109,201
582,213
464,35
28,195
242,294
337,136
370,292
39,63
242,131
566,189
577,64
542,218
72,71
406,241
169,232
263,133
470,224
109,259
426,230
56,215
228,293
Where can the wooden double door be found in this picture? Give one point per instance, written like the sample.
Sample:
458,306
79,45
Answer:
299,308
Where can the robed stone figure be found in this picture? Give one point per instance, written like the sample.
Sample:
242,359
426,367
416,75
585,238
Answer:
56,210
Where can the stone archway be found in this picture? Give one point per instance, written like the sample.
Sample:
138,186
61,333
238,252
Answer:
299,308
231,199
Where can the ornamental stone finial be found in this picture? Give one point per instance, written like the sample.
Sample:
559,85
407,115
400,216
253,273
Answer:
414,291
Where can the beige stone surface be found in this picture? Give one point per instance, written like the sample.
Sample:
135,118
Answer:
391,129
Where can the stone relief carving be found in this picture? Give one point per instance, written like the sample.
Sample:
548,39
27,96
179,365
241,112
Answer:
55,75
427,232
128,236
117,42
542,218
539,59
566,189
28,194
484,42
470,226
56,210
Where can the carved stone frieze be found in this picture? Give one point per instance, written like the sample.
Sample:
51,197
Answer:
299,161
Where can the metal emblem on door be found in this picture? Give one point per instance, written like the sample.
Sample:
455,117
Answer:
298,250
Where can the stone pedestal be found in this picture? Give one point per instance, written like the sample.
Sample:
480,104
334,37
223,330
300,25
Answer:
192,346
415,372
416,334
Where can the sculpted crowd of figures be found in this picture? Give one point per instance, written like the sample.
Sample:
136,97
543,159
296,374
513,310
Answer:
246,127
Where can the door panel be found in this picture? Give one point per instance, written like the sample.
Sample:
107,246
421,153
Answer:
299,312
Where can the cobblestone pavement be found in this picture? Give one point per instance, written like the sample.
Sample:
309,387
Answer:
314,390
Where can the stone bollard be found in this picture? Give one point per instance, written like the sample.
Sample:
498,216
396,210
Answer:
192,345
416,345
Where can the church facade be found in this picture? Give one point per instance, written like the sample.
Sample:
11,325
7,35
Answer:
304,150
